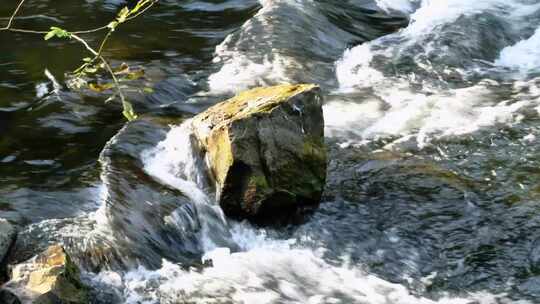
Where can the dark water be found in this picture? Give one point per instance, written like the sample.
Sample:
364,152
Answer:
432,112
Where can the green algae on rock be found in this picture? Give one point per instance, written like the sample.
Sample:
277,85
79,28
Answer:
265,149
50,277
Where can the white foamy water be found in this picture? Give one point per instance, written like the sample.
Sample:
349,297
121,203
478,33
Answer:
239,71
175,162
264,271
433,13
424,116
404,6
355,68
524,55
368,105
405,105
269,272
259,54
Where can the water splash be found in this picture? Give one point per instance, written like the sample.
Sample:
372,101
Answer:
177,162
404,84
270,272
524,55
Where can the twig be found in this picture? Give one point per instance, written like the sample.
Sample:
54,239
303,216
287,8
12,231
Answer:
83,42
13,15
24,31
12,18
101,28
128,110
144,10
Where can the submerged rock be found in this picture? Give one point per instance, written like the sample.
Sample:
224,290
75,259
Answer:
265,149
7,237
7,297
50,277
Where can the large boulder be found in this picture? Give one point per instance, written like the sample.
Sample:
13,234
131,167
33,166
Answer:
50,277
7,237
265,150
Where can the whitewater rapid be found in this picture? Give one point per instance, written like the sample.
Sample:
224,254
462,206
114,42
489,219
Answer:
368,100
410,105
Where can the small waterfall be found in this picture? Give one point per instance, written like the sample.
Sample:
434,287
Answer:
157,201
176,162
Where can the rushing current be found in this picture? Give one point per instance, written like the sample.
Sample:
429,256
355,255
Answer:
432,121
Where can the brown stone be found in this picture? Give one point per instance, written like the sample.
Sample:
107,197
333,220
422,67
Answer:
50,277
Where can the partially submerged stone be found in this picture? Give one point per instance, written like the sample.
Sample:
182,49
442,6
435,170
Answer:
7,297
7,237
50,277
265,149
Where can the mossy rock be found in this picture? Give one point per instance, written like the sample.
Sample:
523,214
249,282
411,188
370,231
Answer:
50,277
265,150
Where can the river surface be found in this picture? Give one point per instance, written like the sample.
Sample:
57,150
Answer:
432,125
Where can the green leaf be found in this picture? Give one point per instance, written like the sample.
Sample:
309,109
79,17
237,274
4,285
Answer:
58,32
123,14
128,111
148,90
87,59
49,35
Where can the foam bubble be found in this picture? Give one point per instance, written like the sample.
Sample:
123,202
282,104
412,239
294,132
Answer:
354,70
524,55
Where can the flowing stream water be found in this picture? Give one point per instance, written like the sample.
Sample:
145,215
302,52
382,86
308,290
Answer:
432,125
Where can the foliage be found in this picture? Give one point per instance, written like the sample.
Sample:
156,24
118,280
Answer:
97,63
58,32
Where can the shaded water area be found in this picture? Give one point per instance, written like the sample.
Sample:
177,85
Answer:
432,126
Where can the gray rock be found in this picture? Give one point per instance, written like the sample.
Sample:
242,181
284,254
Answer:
265,150
7,236
7,297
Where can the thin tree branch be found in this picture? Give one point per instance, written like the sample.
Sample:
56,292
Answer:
101,28
16,30
13,15
144,10
85,44
144,4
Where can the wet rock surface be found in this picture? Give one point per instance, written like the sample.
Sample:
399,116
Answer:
7,237
50,277
265,150
7,297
